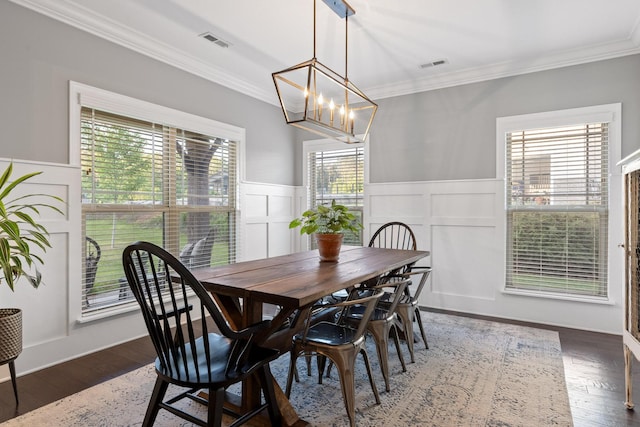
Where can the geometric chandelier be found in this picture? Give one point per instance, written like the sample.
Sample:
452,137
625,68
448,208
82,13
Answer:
316,98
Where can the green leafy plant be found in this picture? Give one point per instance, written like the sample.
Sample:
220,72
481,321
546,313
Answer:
19,232
331,219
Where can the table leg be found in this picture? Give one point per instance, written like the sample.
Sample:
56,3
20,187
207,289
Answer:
238,316
231,309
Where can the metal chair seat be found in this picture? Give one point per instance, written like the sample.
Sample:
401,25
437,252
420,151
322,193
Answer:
340,344
383,322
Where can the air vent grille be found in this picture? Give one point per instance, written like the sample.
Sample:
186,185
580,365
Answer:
215,39
434,63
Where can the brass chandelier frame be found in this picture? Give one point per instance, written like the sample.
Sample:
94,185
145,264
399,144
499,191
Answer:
322,101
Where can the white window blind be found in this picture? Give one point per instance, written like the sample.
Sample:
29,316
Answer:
557,210
149,181
339,175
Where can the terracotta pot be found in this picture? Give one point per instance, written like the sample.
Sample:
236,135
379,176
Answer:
329,246
10,333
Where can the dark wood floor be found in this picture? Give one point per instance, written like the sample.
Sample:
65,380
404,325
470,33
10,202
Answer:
593,362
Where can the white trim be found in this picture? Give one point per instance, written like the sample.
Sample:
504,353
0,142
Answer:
316,145
83,18
81,95
86,20
609,113
507,69
460,222
563,297
630,163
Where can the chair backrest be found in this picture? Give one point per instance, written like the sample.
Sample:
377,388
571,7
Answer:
166,291
394,287
394,235
425,271
367,303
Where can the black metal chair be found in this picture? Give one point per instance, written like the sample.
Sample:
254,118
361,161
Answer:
341,344
382,321
398,235
192,355
394,235
408,310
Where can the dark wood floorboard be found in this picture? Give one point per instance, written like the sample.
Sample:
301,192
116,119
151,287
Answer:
593,363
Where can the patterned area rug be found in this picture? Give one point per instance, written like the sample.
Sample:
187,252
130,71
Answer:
475,373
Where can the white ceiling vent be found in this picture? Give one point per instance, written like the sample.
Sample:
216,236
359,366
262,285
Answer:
434,63
215,39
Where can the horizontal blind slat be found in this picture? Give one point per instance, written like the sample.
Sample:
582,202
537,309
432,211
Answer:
557,204
148,181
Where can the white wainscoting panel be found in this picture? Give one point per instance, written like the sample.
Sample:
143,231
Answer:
455,246
266,210
462,223
460,205
256,242
280,205
255,205
280,238
395,205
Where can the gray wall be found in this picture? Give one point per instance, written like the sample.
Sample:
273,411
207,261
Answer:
38,57
437,135
451,133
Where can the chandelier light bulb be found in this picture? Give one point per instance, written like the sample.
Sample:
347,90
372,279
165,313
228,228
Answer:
352,117
332,106
320,102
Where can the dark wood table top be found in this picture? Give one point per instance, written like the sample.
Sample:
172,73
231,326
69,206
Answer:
293,282
299,279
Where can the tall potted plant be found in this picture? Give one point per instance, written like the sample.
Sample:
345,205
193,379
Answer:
328,223
19,234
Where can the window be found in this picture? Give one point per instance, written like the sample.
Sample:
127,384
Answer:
557,207
155,181
336,172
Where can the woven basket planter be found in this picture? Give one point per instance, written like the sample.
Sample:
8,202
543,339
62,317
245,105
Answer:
10,333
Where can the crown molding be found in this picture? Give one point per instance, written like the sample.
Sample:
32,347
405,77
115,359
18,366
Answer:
635,33
506,69
86,20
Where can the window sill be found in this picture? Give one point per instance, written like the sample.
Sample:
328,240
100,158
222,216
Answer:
549,295
109,312
124,308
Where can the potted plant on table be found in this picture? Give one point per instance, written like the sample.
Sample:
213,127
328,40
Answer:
19,234
329,224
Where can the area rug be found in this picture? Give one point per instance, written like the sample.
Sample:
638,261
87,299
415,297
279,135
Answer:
475,373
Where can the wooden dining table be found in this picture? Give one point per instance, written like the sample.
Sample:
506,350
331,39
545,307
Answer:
292,283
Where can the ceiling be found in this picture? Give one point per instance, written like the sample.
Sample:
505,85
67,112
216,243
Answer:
388,40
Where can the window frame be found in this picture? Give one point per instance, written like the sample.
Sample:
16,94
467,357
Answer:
317,145
610,113
81,95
